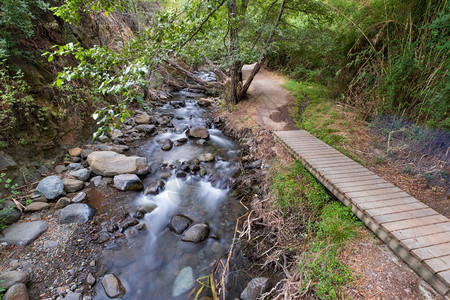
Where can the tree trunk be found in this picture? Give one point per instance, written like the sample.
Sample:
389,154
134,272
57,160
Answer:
263,56
235,70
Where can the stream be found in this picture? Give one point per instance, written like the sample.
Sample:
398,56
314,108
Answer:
155,263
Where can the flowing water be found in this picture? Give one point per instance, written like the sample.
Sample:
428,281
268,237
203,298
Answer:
155,263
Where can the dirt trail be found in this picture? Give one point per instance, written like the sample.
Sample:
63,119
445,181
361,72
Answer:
268,103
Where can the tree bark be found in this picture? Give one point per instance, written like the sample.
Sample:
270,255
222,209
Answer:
263,56
235,70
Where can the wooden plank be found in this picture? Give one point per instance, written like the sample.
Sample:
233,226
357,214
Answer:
386,203
331,163
382,191
350,167
316,152
445,275
394,226
407,215
425,230
318,155
365,182
323,160
439,264
302,138
432,251
306,142
426,241
309,145
369,187
395,209
338,159
353,179
366,199
309,149
337,171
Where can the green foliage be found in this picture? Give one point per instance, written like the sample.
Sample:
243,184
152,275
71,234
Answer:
388,56
109,118
16,104
71,9
16,22
337,225
330,224
9,191
327,273
2,289
313,111
295,184
405,71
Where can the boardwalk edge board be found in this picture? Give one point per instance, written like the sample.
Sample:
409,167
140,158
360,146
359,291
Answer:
420,239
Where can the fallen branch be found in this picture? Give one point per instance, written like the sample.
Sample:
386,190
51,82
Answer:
220,74
19,205
209,85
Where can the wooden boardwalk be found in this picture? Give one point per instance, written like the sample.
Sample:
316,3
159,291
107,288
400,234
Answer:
415,232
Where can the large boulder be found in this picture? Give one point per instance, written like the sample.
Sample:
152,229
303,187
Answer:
10,278
128,182
23,233
109,163
16,292
75,213
196,234
50,187
198,132
113,286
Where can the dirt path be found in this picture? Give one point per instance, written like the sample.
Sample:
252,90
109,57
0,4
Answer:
268,103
